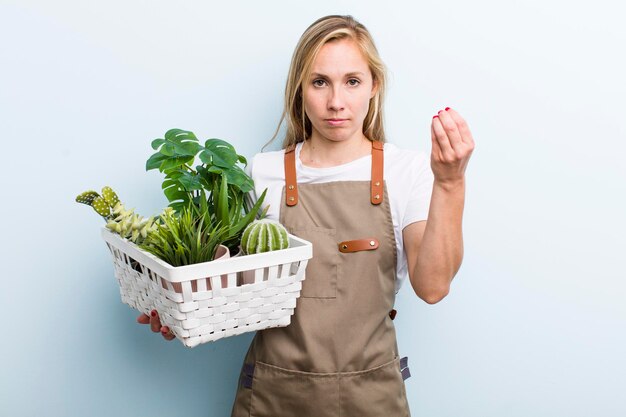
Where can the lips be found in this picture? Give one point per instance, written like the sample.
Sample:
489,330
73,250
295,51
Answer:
336,122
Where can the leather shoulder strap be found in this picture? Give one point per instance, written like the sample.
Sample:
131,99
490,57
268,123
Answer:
291,184
376,196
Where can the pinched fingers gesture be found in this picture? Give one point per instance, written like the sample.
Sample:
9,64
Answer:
452,146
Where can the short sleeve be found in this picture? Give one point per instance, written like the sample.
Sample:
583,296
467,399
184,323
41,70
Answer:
420,191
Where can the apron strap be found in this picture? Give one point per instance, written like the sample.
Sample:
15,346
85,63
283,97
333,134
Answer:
377,173
291,184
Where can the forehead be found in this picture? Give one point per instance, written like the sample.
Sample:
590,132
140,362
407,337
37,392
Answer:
340,56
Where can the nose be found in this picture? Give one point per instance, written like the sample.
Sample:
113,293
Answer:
336,100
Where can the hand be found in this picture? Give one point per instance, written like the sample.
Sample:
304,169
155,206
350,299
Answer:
155,324
452,146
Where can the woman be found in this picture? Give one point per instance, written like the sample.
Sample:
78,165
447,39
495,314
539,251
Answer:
374,214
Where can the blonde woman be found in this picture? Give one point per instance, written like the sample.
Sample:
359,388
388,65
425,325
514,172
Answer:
375,215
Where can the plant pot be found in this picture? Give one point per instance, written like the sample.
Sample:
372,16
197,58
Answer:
244,277
220,253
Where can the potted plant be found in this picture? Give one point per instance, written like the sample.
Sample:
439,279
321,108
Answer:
218,179
168,261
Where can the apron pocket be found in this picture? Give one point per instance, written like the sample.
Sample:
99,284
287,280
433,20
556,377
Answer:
376,392
321,271
278,392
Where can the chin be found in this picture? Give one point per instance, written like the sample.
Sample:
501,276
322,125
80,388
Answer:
336,135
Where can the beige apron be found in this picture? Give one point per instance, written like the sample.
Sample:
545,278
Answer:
339,355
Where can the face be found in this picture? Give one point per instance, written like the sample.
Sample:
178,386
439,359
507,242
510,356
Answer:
337,94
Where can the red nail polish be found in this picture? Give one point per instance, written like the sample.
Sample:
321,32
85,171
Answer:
439,111
447,108
435,116
153,313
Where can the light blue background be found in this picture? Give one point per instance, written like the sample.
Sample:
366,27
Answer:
534,324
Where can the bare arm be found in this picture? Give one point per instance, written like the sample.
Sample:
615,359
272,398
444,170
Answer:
434,247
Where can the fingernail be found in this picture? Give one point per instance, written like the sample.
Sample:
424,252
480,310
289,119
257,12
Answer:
447,108
153,313
165,330
435,116
439,111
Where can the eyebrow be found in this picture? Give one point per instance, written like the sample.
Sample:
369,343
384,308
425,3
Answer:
350,74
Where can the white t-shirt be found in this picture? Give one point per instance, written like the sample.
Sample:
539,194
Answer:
407,175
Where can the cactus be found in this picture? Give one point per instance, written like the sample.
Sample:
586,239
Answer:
87,197
101,207
263,236
119,220
110,196
102,204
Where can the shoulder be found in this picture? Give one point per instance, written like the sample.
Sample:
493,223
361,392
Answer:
267,166
405,161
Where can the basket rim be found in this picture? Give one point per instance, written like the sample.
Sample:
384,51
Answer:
298,250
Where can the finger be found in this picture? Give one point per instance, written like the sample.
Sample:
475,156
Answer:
143,319
442,139
167,333
155,322
435,143
452,131
462,125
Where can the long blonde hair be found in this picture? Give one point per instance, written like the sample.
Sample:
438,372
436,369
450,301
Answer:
324,30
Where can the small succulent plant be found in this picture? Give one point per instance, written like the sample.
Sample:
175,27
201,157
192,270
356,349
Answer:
263,236
119,220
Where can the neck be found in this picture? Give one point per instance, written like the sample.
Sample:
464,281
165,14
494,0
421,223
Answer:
320,153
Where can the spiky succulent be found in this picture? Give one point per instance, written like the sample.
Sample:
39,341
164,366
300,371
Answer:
130,225
263,236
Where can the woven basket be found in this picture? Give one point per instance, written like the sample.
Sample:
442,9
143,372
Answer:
208,301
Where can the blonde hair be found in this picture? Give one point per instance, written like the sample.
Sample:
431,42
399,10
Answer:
324,30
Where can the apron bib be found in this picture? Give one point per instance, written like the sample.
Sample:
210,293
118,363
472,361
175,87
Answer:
339,355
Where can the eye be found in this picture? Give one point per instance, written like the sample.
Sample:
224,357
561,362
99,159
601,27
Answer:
319,82
353,82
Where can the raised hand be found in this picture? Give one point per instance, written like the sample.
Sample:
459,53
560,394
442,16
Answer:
452,146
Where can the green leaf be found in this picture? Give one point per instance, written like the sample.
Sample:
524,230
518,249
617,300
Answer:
248,218
222,206
240,179
173,193
155,161
182,142
215,170
167,149
219,152
174,162
157,143
190,182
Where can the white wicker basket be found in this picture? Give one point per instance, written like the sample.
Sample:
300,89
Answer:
208,301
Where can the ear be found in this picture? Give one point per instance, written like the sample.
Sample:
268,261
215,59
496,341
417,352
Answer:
374,89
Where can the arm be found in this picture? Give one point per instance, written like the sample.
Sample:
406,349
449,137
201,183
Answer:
434,247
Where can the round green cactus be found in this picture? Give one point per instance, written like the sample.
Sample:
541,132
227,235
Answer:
263,236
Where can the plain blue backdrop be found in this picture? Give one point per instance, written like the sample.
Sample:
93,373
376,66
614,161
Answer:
534,323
